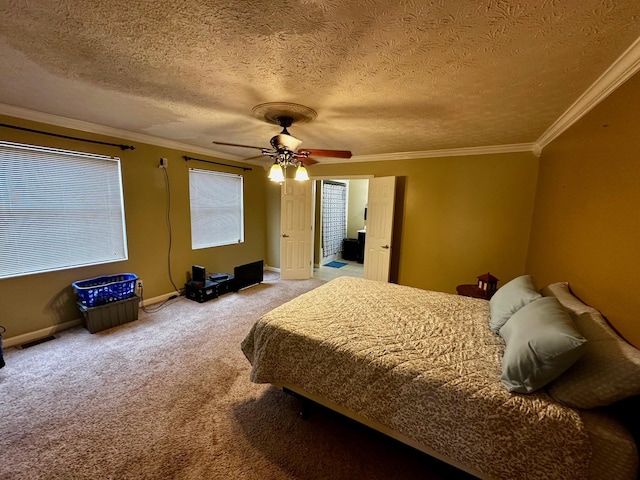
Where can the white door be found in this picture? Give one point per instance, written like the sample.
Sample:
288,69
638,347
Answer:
377,245
296,230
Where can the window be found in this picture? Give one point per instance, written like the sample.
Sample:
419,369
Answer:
58,209
217,211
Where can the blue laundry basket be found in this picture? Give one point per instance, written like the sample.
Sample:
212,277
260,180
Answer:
98,291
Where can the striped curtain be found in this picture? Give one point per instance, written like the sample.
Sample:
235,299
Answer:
334,217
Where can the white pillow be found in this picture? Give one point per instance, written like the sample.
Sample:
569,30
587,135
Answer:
542,342
510,298
563,293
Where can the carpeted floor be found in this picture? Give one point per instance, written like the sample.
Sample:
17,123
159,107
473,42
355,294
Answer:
168,397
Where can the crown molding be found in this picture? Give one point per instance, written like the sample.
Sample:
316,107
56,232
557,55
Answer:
447,152
619,72
83,126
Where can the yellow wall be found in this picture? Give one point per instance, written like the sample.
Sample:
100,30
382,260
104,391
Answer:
358,189
462,216
36,302
586,224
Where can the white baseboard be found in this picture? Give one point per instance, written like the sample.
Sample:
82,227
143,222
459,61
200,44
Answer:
160,298
272,269
38,334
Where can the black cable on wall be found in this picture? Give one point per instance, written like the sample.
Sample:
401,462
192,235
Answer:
169,227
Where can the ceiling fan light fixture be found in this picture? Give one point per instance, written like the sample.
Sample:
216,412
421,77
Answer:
301,173
282,140
285,146
275,173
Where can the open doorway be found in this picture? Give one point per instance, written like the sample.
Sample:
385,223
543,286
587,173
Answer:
340,227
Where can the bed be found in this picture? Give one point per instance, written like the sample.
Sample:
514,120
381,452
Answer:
427,369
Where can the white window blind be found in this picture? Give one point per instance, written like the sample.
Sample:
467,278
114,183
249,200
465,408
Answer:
217,210
58,209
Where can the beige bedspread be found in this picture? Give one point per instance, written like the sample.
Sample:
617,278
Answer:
424,364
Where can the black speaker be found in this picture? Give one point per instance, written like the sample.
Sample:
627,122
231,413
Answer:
198,274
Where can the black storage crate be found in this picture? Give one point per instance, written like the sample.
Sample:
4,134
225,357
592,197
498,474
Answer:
201,292
110,315
225,286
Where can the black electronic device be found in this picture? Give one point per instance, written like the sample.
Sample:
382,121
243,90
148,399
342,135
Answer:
198,274
216,277
248,274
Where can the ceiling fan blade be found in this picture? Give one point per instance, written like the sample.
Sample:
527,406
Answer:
253,158
236,145
306,161
327,153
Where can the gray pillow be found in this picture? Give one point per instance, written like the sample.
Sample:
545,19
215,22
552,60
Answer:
542,342
510,298
563,293
608,371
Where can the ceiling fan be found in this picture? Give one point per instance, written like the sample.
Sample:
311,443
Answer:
285,148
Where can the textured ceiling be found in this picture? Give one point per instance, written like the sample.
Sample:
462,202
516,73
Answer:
384,76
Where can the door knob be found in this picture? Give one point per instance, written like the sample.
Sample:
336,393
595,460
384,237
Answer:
284,235
385,246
